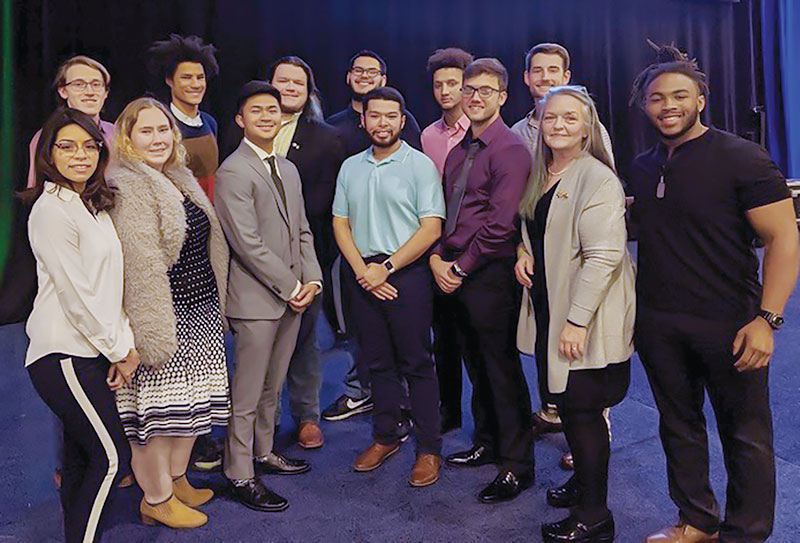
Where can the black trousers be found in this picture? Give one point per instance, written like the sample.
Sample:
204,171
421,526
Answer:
487,308
95,447
395,344
685,356
581,407
447,353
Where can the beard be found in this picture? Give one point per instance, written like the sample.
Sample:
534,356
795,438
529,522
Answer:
692,120
388,143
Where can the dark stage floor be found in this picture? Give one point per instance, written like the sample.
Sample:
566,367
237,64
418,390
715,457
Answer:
333,504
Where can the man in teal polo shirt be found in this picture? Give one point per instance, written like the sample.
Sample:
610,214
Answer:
387,212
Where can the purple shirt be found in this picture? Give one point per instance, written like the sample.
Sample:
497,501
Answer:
487,225
438,139
106,128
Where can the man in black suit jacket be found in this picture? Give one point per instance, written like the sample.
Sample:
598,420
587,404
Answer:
316,150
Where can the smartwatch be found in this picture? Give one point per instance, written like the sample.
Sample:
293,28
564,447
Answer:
389,266
457,271
773,319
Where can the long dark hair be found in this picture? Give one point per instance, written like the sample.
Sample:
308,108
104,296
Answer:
97,195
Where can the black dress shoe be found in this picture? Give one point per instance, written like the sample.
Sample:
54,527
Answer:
542,426
506,486
277,464
566,495
478,455
573,531
253,494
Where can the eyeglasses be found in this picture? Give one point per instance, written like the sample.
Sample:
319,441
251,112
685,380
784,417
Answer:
371,72
484,92
80,85
70,148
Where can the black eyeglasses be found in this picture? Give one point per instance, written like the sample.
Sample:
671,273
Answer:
484,92
70,148
371,72
80,85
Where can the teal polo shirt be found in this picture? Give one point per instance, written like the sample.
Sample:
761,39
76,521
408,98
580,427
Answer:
385,200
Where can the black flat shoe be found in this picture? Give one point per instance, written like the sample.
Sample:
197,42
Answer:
542,426
277,464
476,456
566,495
570,530
255,495
506,486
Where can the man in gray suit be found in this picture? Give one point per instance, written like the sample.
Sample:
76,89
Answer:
274,278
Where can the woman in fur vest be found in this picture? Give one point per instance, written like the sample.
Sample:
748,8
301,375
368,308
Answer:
176,267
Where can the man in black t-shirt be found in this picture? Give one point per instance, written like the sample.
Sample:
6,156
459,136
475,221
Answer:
704,322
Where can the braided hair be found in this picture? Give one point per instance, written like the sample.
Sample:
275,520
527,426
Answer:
669,59
165,55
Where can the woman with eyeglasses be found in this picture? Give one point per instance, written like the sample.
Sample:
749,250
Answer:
176,270
81,343
579,304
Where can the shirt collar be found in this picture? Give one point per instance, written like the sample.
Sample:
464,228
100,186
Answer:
292,119
398,156
262,154
185,119
462,124
533,122
486,136
60,191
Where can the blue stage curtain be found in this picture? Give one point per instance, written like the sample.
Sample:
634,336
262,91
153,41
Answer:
780,39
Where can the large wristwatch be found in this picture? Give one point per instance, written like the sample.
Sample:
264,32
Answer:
773,319
457,271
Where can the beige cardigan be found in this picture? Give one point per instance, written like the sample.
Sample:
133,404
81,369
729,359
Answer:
590,275
151,224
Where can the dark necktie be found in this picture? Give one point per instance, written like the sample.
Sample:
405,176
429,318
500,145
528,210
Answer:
460,187
273,169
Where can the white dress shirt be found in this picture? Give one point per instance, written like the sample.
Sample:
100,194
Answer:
263,156
78,306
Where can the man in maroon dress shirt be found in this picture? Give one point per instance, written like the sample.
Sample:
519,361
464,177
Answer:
484,178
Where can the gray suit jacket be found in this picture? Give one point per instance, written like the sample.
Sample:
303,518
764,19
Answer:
271,245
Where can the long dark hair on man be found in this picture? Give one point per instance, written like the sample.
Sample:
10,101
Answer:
97,195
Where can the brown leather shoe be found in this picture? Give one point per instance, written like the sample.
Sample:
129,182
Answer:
310,436
426,470
375,455
682,533
567,462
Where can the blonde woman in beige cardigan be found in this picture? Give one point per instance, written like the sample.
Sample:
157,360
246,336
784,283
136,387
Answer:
579,297
176,268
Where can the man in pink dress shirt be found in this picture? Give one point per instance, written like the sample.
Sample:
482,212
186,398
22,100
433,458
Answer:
82,84
447,69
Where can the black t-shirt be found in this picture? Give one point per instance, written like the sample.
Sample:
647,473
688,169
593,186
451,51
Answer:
356,139
696,253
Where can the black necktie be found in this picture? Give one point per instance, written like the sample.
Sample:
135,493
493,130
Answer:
454,204
273,169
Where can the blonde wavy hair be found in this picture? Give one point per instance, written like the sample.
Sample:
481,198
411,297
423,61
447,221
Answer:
543,155
122,146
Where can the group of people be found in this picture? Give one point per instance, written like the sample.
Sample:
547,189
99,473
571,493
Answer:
498,239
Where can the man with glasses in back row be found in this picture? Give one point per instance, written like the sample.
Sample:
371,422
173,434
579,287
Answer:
484,178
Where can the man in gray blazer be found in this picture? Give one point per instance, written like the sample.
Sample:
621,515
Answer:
274,277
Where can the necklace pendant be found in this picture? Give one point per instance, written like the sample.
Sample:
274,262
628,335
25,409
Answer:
660,189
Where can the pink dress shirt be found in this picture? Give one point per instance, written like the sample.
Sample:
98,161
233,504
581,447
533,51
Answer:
438,139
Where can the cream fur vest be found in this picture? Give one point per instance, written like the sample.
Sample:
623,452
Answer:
151,224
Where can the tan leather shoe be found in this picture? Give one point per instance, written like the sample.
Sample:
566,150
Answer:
426,470
374,456
191,496
172,513
310,436
682,533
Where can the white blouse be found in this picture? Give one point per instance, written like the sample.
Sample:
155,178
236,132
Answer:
78,305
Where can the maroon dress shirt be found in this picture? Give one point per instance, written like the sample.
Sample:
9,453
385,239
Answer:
488,223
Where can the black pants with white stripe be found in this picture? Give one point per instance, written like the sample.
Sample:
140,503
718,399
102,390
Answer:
95,446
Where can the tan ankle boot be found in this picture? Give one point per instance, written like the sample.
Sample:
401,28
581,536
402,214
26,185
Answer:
191,496
172,513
